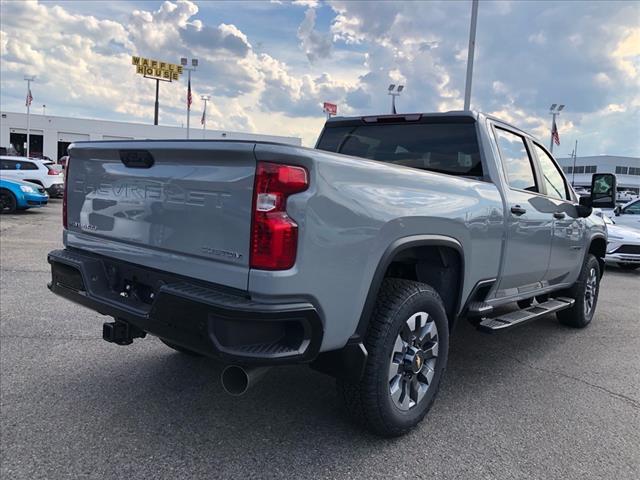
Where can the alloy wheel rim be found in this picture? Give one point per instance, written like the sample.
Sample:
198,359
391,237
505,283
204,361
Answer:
413,361
5,203
590,292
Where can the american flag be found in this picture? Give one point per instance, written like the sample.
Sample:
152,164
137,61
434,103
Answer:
204,114
29,98
555,136
189,97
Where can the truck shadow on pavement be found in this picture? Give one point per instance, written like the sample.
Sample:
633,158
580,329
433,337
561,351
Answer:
170,398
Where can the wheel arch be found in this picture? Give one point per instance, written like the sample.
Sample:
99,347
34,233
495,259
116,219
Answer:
419,251
598,248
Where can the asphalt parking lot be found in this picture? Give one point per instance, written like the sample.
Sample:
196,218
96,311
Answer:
541,401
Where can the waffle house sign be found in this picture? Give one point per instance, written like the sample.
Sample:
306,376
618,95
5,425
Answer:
156,69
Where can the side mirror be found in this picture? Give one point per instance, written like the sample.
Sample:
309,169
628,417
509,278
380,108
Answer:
583,211
585,201
603,190
617,210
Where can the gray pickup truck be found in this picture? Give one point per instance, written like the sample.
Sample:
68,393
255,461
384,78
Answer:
357,257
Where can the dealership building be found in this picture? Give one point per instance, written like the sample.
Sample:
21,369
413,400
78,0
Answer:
51,135
626,170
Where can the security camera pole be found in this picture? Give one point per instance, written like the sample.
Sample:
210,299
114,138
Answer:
28,101
470,54
394,92
194,64
554,111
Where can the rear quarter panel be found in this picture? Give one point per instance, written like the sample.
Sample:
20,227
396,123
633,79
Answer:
353,210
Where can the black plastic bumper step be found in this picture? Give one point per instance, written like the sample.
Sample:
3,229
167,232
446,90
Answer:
518,317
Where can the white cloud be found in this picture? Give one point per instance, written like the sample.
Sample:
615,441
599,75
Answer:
307,3
528,55
538,38
314,44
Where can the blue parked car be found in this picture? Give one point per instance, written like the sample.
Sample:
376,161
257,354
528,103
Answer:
18,195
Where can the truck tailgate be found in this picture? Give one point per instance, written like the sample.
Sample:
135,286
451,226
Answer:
182,207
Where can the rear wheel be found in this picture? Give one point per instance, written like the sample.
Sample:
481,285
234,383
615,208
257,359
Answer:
8,202
585,293
180,349
407,343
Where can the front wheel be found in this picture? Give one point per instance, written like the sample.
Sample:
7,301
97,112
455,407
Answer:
8,202
585,293
407,343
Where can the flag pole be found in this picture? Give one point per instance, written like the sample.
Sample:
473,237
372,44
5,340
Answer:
184,61
575,156
204,98
29,99
188,104
553,125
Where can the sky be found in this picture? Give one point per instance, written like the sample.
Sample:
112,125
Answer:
268,66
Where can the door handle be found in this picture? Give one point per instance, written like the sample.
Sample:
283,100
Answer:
559,215
518,210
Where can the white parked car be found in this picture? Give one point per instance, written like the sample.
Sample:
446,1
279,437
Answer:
623,248
627,215
626,196
42,172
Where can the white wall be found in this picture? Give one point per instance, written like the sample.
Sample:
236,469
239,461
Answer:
604,164
68,129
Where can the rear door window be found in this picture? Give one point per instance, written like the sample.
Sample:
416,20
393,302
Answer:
8,165
28,166
516,161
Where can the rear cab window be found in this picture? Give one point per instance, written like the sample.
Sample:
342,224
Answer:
438,146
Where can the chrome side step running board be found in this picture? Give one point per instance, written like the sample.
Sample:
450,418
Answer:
519,317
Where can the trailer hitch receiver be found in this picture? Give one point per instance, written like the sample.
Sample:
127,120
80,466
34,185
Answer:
121,333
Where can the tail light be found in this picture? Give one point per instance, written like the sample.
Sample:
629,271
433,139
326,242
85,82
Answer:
274,236
53,172
64,196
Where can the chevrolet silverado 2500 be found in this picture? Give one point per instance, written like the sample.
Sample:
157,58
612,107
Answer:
357,257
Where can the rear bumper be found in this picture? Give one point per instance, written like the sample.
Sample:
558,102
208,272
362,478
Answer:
204,318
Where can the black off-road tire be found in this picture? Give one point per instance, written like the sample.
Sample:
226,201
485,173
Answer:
369,401
579,316
180,349
8,202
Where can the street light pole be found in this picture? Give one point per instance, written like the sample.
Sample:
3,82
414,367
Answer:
29,99
394,92
470,53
